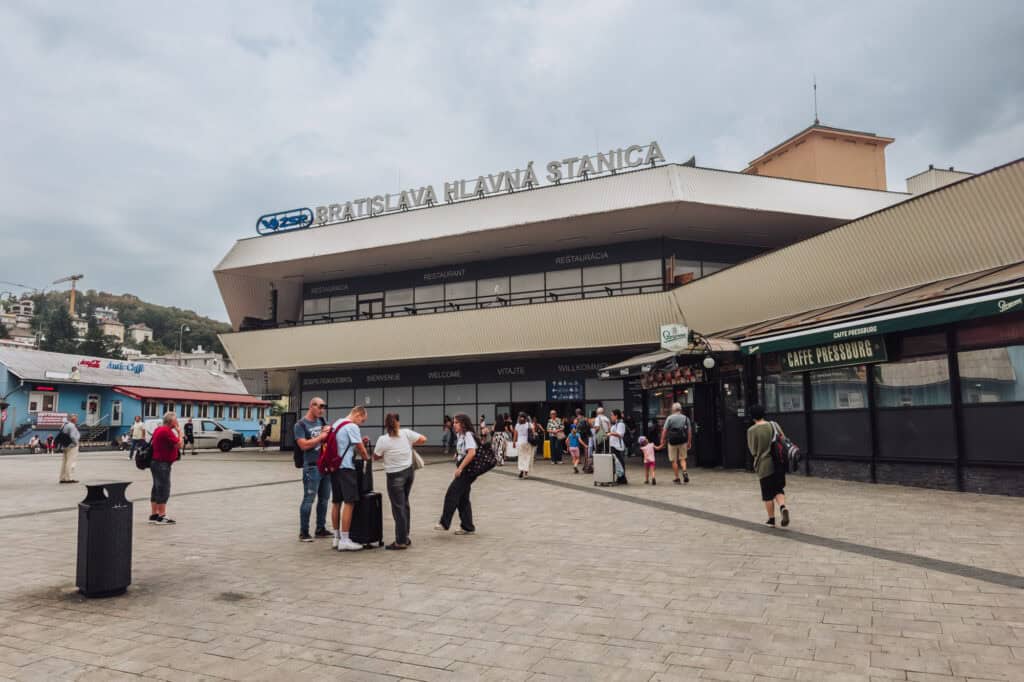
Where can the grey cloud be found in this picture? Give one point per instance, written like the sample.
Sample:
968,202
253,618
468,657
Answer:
141,140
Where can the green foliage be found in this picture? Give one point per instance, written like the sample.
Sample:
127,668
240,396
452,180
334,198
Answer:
58,332
163,320
4,332
98,345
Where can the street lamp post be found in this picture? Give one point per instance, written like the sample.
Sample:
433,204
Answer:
181,330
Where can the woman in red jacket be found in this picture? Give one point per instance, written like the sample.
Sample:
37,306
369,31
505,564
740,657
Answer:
167,441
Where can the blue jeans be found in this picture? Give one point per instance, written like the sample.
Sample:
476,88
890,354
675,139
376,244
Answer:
314,486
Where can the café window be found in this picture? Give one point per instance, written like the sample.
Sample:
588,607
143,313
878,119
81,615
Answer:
493,290
259,413
563,284
641,274
42,401
430,298
186,409
840,388
601,280
149,409
783,393
218,411
248,412
527,288
459,295
915,382
233,412
343,306
315,308
399,302
168,407
992,375
203,410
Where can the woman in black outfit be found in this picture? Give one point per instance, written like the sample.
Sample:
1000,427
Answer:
457,496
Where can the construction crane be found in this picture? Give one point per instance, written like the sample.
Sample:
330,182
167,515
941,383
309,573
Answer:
72,279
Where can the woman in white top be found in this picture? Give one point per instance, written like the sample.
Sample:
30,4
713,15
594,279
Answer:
395,448
457,496
521,441
617,440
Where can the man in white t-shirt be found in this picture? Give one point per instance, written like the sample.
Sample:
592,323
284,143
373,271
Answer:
394,447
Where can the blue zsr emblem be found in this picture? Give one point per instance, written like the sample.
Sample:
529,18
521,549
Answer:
295,219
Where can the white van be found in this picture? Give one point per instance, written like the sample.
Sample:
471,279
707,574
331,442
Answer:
207,432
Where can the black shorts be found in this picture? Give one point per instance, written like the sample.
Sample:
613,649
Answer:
344,486
773,485
161,491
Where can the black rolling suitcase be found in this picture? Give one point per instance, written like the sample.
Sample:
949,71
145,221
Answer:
368,517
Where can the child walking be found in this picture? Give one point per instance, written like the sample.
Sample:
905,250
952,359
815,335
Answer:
574,449
647,448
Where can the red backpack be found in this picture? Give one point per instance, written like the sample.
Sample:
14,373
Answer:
329,460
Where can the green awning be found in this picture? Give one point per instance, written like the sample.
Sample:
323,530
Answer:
884,323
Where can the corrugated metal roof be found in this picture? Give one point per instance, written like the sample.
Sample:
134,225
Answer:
32,365
973,225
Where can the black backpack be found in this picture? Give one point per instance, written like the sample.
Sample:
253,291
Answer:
535,436
677,435
583,429
144,457
62,440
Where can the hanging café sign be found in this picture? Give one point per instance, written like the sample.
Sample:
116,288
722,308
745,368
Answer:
555,172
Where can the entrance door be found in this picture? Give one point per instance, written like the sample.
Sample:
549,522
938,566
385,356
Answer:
734,423
371,306
115,413
705,436
92,410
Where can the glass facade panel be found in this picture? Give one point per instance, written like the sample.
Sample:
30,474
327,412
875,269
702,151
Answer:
597,389
430,299
912,383
783,393
642,270
304,400
602,274
460,393
842,388
428,395
433,434
528,391
398,395
315,308
493,289
369,397
343,305
460,293
468,409
340,399
424,416
487,410
399,302
374,418
686,271
992,375
708,267
527,288
501,392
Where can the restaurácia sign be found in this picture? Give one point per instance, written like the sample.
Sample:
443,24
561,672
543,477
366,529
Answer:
565,170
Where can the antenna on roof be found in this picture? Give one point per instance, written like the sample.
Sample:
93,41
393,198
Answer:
814,81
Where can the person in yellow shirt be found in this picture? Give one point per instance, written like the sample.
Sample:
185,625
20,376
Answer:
138,436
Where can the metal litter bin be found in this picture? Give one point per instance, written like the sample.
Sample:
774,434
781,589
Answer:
104,541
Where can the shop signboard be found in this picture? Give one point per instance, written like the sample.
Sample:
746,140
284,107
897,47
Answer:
675,337
840,354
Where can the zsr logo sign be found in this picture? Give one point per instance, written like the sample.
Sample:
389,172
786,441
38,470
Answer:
295,219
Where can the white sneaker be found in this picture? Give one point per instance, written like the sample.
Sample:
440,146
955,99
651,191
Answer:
439,527
349,546
334,542
465,532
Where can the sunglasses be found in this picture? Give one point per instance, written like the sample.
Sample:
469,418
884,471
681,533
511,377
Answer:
324,405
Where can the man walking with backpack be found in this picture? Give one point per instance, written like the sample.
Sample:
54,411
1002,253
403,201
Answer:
67,439
760,440
677,436
345,480
310,433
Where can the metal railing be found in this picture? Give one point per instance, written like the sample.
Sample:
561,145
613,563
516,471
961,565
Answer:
479,302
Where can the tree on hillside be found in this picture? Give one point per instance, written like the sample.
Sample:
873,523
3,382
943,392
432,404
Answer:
59,333
98,345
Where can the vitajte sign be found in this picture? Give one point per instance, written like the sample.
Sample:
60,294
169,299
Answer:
555,172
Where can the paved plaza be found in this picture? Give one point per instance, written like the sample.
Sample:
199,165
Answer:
562,580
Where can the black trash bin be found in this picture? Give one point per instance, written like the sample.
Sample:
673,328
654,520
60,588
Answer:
104,541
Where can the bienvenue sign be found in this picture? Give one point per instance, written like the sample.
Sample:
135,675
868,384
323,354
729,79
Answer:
557,171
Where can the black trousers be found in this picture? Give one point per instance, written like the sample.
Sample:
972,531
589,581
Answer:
457,497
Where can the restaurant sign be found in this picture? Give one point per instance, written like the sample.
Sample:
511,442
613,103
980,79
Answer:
839,354
675,337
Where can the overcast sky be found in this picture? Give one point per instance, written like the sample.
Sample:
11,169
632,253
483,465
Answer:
138,141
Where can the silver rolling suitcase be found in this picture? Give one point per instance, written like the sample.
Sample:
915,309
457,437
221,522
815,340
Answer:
604,469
